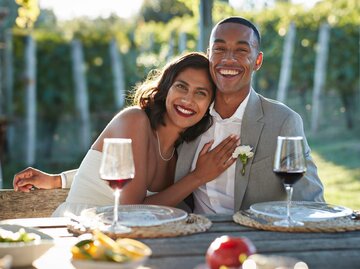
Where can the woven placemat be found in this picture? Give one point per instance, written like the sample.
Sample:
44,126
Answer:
262,222
192,224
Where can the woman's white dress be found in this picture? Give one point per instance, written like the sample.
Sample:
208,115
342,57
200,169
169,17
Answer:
87,189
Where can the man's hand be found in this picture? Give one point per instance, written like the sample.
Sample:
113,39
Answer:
30,177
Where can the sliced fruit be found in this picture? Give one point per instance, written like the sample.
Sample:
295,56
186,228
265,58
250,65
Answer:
135,249
104,239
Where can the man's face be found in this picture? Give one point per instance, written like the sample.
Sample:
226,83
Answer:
234,56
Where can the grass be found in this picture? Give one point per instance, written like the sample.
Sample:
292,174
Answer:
337,155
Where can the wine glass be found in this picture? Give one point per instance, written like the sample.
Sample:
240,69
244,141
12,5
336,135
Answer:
290,166
117,168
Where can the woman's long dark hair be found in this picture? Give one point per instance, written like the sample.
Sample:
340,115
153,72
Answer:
151,95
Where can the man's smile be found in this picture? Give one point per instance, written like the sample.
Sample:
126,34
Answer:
228,72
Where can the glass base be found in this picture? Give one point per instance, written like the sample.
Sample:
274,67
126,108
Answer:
117,229
288,223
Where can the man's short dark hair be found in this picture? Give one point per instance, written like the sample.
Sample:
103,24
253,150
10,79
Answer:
242,21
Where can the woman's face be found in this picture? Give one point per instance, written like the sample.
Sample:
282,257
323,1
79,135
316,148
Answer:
188,98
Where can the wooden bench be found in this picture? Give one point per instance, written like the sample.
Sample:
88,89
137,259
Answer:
34,204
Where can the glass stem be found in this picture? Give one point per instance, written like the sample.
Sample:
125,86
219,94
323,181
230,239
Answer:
289,192
116,206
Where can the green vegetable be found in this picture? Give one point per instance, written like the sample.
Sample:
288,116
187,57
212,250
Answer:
19,236
84,242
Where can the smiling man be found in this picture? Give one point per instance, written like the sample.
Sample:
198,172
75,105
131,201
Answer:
234,53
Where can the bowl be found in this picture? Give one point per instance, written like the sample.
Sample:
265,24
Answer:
5,262
24,253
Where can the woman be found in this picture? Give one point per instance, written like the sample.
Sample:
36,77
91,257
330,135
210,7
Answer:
171,107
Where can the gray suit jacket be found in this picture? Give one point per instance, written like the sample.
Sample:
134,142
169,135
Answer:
263,121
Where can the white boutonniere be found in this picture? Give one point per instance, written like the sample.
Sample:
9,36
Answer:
244,153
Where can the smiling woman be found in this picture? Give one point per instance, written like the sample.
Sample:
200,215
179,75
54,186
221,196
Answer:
69,9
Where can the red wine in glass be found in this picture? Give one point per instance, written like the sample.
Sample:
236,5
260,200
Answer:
290,177
117,167
290,166
117,183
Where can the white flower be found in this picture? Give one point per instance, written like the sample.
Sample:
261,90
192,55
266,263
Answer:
244,153
241,150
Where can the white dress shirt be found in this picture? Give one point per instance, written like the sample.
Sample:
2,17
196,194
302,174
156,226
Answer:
217,196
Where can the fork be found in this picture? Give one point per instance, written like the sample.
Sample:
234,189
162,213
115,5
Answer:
254,217
355,215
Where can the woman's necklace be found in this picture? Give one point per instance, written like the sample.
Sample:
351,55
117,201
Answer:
161,156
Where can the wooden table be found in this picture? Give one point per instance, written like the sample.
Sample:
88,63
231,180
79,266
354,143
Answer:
318,250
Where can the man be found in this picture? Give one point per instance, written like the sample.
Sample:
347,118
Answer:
234,53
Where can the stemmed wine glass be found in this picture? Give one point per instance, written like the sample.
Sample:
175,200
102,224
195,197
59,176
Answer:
290,166
117,168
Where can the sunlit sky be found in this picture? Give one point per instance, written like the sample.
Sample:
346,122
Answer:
68,9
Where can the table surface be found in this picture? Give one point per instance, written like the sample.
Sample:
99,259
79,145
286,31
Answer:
318,250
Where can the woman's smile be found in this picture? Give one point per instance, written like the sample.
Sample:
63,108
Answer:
183,111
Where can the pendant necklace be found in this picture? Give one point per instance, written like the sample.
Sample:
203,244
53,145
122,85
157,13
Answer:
161,156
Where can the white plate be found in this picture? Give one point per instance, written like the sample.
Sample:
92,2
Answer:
89,264
23,254
301,210
136,215
261,261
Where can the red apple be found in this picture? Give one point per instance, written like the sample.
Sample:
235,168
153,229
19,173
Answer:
229,251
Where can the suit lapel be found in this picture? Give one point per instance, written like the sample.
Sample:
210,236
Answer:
250,132
186,154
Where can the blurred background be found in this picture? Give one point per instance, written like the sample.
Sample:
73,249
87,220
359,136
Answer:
66,67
